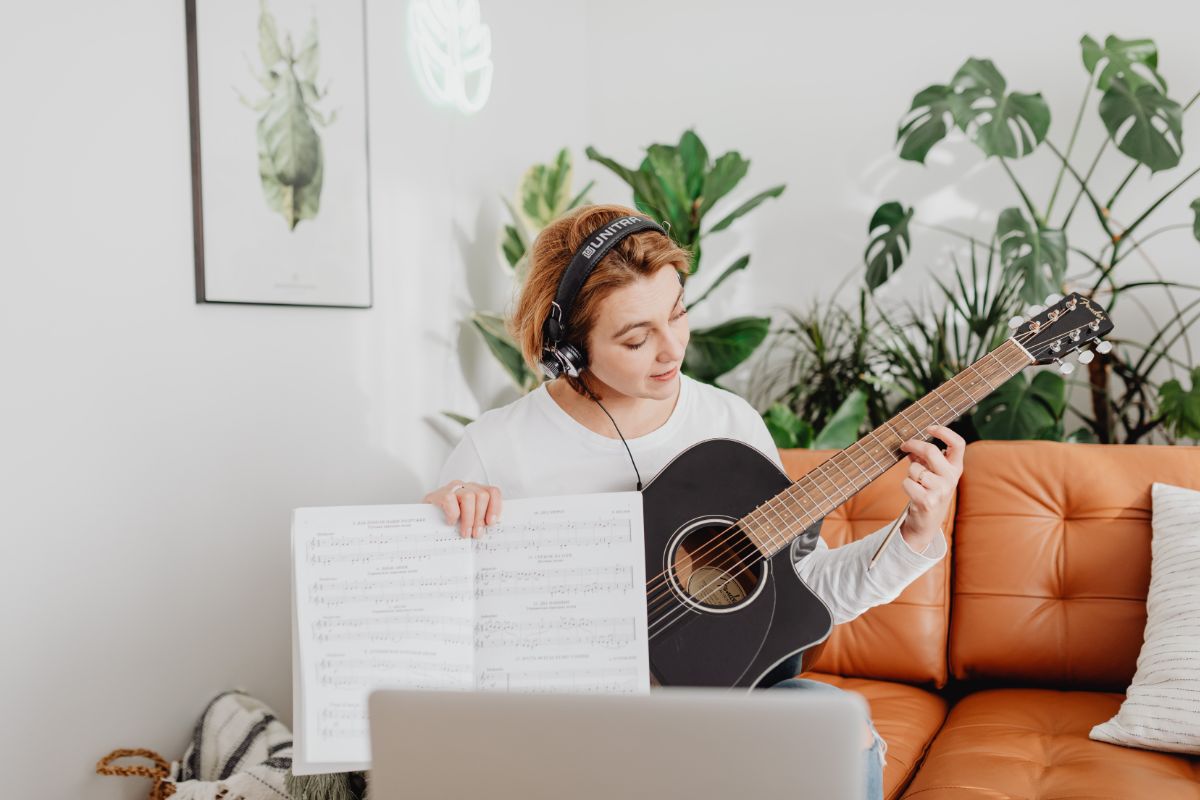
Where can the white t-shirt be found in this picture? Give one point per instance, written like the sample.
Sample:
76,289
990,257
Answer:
533,448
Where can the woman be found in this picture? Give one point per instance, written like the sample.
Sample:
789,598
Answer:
578,433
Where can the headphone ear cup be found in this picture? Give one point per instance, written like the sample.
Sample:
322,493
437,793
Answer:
573,358
551,365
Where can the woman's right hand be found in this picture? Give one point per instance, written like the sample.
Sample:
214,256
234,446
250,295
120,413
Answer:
473,505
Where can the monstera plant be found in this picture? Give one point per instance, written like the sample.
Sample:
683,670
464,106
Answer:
679,185
291,164
1145,126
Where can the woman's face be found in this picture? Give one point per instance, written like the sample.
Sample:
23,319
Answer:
637,343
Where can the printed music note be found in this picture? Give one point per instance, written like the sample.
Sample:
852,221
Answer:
392,597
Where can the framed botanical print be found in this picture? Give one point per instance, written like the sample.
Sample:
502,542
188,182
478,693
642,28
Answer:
280,181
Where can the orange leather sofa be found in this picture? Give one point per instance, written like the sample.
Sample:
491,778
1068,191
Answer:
987,673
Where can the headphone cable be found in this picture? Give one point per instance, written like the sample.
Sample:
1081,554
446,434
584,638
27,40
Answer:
627,450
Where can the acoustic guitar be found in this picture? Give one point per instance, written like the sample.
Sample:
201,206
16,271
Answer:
724,526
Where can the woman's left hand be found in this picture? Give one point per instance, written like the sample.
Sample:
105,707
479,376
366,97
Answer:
932,478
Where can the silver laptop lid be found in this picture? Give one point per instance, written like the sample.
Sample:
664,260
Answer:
672,743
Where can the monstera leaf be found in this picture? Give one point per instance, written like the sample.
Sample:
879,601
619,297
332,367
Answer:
452,51
926,122
1021,409
1001,123
1195,206
1038,254
1134,60
1008,125
887,248
712,352
1145,124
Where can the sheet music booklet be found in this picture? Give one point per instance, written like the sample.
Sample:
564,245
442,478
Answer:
550,599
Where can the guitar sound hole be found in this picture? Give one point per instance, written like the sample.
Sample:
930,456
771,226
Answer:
717,566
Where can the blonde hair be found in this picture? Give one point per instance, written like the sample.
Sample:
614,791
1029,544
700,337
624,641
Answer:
638,255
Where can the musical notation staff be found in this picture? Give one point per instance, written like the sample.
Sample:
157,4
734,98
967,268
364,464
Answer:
392,596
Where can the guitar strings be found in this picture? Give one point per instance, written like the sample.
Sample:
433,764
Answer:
666,620
716,542
737,554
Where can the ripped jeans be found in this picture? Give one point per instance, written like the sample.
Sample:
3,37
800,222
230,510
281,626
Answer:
872,757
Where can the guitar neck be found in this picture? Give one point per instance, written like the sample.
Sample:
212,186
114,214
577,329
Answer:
774,524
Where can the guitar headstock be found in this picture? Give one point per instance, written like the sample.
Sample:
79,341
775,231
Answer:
1072,323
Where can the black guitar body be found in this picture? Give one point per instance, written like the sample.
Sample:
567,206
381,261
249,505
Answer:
759,628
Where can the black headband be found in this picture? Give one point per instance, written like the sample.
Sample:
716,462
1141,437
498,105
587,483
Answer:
594,247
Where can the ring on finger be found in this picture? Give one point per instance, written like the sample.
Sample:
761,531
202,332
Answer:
456,488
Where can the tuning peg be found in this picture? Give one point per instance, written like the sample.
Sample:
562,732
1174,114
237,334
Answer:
1104,347
1035,309
1015,322
1085,356
1065,367
1053,298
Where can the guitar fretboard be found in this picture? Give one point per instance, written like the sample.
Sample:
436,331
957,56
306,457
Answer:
775,523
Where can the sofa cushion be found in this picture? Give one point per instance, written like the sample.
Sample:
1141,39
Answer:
904,640
1052,559
906,717
1033,744
1162,706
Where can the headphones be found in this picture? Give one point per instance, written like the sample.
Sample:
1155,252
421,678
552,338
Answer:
559,356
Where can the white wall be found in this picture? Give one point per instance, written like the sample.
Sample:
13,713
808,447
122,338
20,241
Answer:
812,94
152,448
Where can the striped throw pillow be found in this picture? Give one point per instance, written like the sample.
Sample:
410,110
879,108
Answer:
1161,710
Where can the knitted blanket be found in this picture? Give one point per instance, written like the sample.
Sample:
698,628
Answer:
239,751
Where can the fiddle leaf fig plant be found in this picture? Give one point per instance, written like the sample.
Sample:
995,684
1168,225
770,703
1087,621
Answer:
678,185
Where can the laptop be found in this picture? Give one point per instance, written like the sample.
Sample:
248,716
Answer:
671,743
